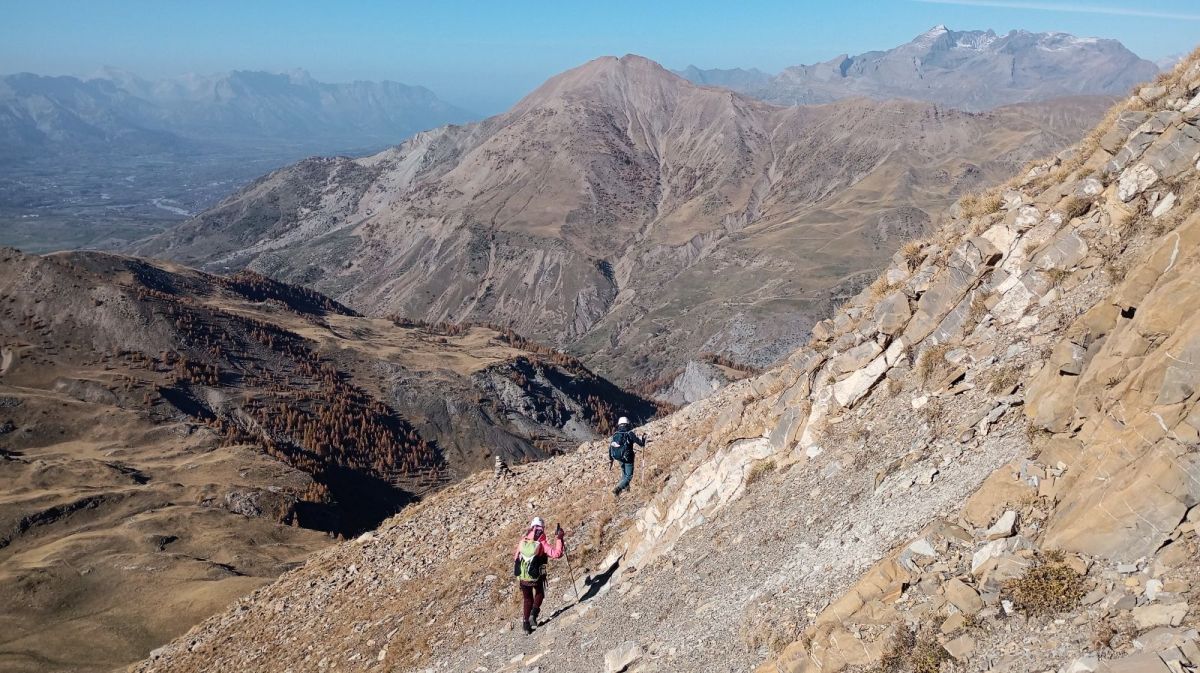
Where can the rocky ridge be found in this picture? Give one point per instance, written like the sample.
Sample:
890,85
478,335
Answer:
965,69
986,461
624,214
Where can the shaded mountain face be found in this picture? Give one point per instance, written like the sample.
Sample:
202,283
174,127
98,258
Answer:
968,70
624,213
353,402
119,112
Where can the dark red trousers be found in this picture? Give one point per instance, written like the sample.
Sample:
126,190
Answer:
532,594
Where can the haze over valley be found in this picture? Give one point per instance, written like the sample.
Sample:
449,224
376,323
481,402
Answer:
883,363
96,162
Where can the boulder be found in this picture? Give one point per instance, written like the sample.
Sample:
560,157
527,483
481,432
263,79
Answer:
892,313
1132,151
823,330
1125,123
1026,217
961,647
1135,180
995,549
1159,614
1174,152
855,358
1151,93
1064,252
1144,662
852,388
1004,527
1136,509
619,658
962,596
1089,186
1164,206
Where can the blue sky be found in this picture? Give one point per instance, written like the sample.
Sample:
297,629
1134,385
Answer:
485,55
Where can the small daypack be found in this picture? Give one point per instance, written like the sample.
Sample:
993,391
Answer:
529,563
620,448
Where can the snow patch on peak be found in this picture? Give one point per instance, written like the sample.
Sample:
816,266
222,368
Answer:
975,41
930,36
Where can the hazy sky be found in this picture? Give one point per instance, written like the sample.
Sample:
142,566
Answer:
485,55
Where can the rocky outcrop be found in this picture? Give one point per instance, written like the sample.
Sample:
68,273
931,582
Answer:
1112,478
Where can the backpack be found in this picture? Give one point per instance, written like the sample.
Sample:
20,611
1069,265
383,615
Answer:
529,563
620,448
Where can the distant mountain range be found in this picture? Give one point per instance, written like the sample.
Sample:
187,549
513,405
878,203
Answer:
625,213
116,111
968,70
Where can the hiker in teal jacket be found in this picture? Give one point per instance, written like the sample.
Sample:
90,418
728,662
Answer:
620,450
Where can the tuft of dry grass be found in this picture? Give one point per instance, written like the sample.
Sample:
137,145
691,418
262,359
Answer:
913,252
1114,269
932,361
934,413
980,204
911,652
1057,275
1001,380
880,288
759,470
979,308
1112,634
1050,587
1034,435
1074,206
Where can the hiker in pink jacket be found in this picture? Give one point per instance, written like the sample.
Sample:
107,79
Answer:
529,565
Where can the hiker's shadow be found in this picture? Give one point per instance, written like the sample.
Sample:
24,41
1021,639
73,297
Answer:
594,584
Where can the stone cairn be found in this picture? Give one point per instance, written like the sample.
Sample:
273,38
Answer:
502,469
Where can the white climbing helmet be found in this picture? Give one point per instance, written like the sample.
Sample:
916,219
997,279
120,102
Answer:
536,523
622,421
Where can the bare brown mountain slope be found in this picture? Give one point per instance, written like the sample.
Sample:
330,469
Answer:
989,460
170,440
625,214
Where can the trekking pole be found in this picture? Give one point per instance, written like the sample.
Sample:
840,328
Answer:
570,569
641,472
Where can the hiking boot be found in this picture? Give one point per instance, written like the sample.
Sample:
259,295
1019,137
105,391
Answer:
533,619
526,627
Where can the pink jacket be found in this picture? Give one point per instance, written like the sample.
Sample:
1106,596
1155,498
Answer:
544,547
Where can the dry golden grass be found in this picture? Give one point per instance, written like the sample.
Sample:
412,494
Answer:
881,288
979,204
979,308
932,361
913,252
1074,206
1001,380
759,470
1057,276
